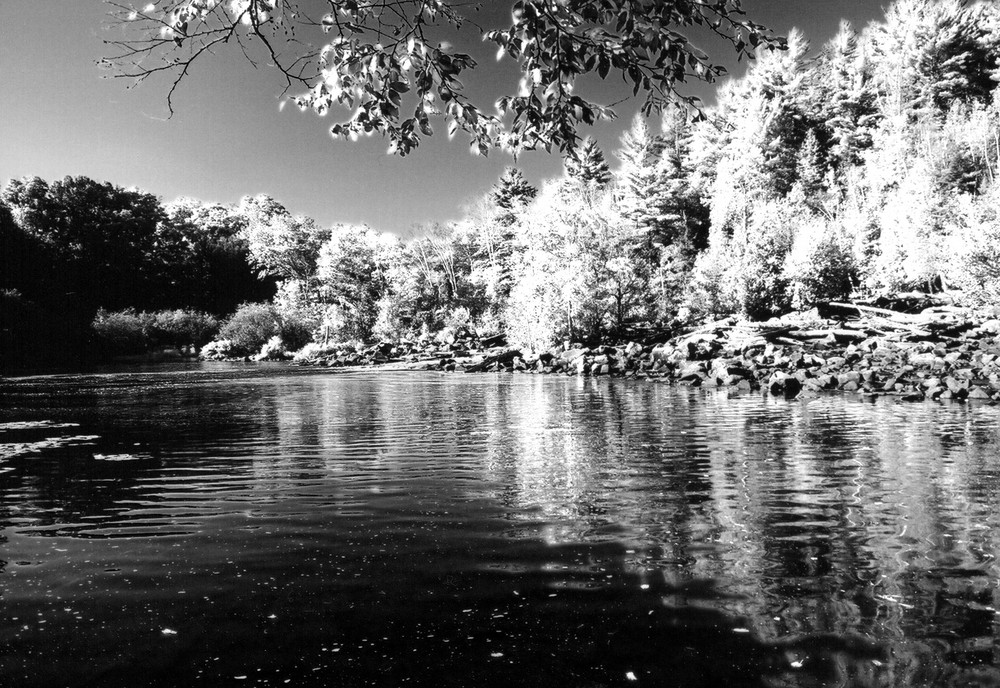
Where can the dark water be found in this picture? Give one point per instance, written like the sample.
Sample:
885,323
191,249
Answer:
223,525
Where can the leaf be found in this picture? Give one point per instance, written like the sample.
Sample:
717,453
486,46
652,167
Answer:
603,67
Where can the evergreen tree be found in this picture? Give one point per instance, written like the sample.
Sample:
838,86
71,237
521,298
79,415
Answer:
842,97
778,79
810,170
587,167
641,190
931,52
512,190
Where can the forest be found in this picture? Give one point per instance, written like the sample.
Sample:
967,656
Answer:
864,166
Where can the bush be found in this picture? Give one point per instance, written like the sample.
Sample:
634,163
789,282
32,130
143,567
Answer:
182,328
395,320
273,350
129,332
315,350
975,250
295,331
821,265
710,291
121,332
250,328
219,350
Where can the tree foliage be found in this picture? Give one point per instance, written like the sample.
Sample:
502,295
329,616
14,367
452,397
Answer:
870,168
386,60
112,242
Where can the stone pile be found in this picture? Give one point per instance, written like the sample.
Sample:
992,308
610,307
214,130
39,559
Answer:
941,353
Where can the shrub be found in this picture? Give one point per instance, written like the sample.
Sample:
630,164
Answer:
299,311
821,265
975,250
121,332
273,350
710,291
182,328
762,289
395,319
218,350
532,322
315,350
295,331
250,328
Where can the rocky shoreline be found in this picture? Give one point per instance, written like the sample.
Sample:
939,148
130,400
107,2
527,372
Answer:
938,353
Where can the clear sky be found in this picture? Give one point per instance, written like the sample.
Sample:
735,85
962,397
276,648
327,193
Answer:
227,138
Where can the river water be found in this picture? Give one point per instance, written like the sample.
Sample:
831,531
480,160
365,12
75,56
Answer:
215,524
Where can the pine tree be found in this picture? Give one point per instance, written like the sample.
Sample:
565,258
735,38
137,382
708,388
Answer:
931,52
810,167
778,79
587,166
512,190
641,190
843,98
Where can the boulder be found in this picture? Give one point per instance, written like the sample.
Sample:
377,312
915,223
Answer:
781,384
980,394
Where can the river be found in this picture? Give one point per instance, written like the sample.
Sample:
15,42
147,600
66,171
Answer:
225,524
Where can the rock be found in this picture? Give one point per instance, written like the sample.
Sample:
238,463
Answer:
956,386
781,384
980,394
691,372
925,360
850,386
633,350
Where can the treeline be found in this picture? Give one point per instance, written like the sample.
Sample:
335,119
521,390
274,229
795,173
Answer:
866,166
76,247
863,167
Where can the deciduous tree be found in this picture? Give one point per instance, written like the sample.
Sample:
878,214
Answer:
385,60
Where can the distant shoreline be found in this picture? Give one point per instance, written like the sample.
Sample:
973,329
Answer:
955,356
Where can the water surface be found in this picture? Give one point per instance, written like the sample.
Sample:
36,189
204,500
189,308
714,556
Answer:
221,524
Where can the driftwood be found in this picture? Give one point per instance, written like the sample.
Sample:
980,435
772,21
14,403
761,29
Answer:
724,324
834,309
935,323
505,356
495,340
840,334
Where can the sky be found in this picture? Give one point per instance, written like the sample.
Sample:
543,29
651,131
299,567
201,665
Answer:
60,115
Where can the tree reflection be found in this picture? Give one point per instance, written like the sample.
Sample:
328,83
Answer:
815,520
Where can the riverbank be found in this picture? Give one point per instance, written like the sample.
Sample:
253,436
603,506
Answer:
937,353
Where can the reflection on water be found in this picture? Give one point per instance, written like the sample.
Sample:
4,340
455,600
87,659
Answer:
268,526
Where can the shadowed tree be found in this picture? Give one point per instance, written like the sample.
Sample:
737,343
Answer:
112,242
219,274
